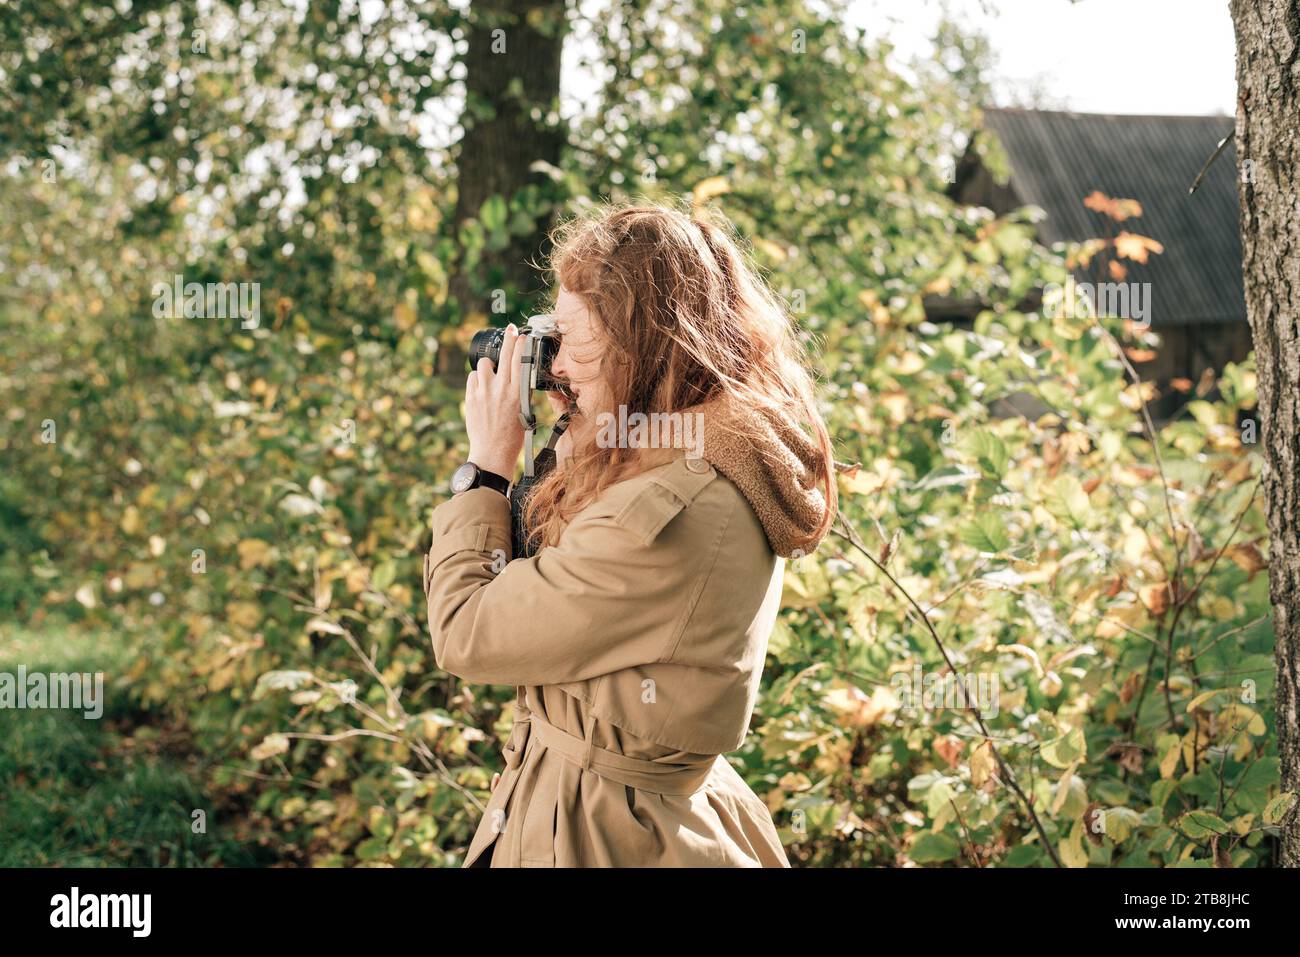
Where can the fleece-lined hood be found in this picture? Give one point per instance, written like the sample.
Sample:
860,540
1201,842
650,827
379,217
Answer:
774,464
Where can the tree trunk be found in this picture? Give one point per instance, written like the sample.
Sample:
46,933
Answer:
512,67
1268,147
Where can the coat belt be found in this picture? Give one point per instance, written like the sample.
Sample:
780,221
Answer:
652,776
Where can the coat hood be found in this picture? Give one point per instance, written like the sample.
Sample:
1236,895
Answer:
775,466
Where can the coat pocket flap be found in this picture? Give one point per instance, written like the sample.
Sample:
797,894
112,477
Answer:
646,515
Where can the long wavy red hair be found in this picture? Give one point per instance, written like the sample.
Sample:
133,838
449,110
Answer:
684,318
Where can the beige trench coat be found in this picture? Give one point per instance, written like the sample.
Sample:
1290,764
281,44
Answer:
636,644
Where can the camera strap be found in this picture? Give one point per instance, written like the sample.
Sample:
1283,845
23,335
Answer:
526,417
528,453
557,430
521,546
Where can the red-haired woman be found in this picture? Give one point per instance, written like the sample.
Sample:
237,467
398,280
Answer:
636,634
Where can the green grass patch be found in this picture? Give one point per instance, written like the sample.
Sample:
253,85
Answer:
115,791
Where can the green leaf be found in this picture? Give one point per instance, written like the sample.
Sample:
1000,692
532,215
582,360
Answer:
1278,808
492,214
1200,824
384,575
1067,500
1066,750
1024,855
990,451
380,823
1256,782
986,533
1120,822
939,799
931,848
372,849
947,477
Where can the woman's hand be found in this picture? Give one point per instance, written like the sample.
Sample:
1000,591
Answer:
492,410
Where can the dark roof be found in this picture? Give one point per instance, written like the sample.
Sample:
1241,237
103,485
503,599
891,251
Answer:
1059,158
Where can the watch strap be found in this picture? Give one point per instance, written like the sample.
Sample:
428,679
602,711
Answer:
492,480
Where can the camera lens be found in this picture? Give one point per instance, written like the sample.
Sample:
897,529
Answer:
486,342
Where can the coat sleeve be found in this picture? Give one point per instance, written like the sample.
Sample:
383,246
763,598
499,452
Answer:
602,599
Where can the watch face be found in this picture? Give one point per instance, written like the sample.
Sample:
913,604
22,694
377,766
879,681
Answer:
463,477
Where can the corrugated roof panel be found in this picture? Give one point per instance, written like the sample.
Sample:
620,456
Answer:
1057,159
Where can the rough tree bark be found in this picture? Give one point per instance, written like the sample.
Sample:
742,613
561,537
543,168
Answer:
512,68
1268,147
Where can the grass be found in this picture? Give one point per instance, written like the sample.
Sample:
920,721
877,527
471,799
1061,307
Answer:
113,792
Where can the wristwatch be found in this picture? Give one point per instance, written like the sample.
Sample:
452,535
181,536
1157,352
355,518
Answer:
470,476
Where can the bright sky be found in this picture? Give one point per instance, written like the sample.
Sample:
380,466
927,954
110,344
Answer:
1091,56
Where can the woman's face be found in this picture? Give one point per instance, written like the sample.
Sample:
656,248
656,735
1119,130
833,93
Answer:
579,357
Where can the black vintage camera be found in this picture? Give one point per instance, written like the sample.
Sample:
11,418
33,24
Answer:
539,351
540,344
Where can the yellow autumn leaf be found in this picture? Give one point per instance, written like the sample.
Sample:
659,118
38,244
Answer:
908,363
1190,743
1237,718
1073,853
855,708
462,333
939,286
848,702
1117,209
1219,607
896,405
243,614
794,781
252,553
706,189
774,251
982,765
877,310
1117,617
1136,546
881,475
1169,763
271,745
1037,574
1063,788
1203,697
1136,394
403,316
1135,247
131,520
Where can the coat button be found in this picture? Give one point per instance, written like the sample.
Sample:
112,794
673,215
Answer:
495,778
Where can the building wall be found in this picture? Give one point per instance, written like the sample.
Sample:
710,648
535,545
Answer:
1186,351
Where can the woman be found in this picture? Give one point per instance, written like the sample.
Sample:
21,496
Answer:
637,633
